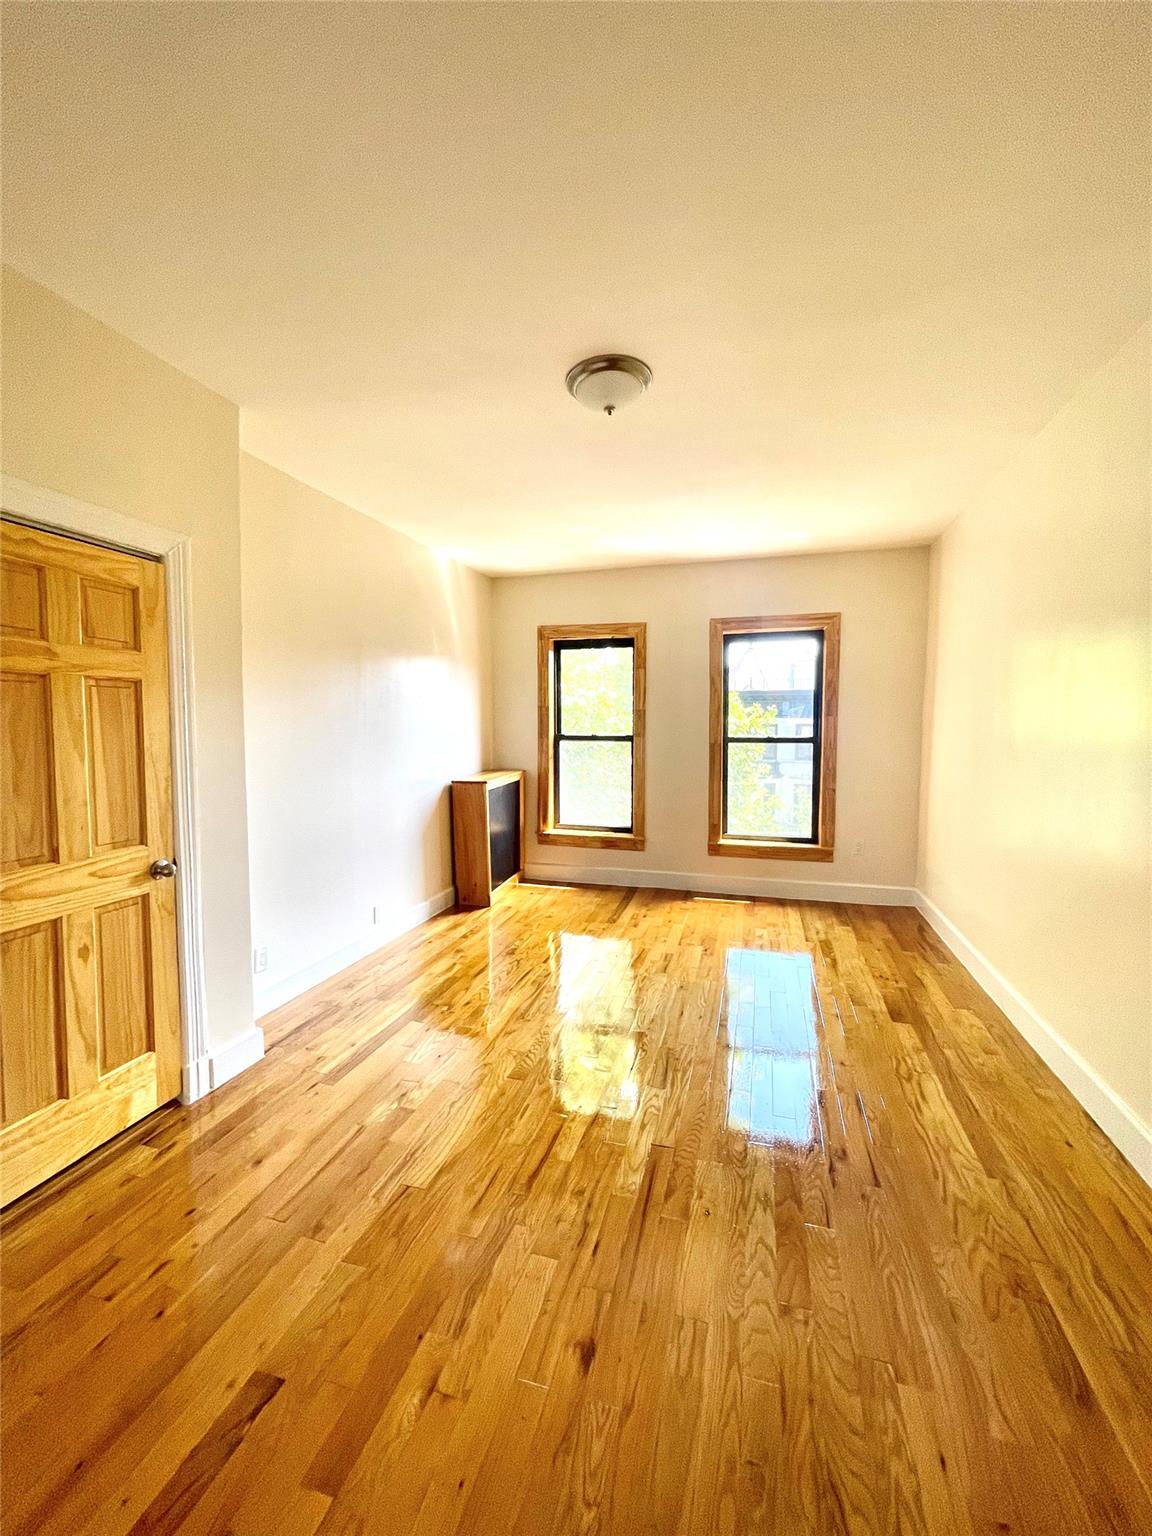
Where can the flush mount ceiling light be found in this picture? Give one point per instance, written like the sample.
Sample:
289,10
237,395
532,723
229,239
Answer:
608,382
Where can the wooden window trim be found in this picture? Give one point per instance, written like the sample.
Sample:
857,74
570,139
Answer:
547,832
823,850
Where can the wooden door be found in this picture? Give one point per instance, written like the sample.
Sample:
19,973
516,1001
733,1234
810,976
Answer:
90,1028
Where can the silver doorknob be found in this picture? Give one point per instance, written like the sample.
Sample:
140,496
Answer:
163,869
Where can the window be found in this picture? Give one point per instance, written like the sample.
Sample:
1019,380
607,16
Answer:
772,736
591,697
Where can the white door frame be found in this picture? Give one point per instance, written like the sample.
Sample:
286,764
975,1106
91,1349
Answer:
57,513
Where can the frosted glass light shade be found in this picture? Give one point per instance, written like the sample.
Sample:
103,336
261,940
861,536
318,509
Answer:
606,383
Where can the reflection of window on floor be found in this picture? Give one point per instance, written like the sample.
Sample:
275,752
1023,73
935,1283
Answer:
772,1046
594,1047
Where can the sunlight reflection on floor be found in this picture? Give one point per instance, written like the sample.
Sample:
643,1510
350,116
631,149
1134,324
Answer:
772,1047
594,1048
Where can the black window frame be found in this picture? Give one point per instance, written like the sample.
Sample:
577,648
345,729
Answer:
815,740
592,643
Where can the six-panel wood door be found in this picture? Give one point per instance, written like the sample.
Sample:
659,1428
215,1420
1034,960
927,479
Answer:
90,1028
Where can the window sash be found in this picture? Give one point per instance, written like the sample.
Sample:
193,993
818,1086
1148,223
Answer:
559,735
814,740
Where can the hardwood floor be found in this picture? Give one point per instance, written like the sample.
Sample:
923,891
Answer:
598,1211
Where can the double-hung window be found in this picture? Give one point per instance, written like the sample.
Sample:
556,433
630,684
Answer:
772,737
591,705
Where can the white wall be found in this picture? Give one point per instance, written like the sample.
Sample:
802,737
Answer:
366,689
883,598
1037,769
93,416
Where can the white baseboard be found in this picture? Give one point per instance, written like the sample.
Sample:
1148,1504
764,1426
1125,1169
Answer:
195,1080
727,885
235,1057
1119,1122
216,1068
274,995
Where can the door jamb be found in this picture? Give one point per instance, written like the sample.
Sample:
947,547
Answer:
58,513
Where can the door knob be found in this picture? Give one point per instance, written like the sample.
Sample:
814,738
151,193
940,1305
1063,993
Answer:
163,869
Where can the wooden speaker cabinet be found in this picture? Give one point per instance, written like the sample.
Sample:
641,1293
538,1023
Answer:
487,834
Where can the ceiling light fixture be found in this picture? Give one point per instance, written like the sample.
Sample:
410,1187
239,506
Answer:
605,383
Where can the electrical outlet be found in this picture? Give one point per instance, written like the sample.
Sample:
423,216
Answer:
857,849
377,915
260,959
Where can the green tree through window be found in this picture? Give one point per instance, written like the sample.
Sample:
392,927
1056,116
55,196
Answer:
594,749
753,801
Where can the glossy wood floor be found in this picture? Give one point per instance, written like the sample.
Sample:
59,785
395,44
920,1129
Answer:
604,1211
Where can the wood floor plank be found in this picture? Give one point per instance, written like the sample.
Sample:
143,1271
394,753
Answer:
627,1212
169,1510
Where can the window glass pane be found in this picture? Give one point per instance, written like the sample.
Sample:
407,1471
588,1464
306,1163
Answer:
595,784
596,690
769,790
772,685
